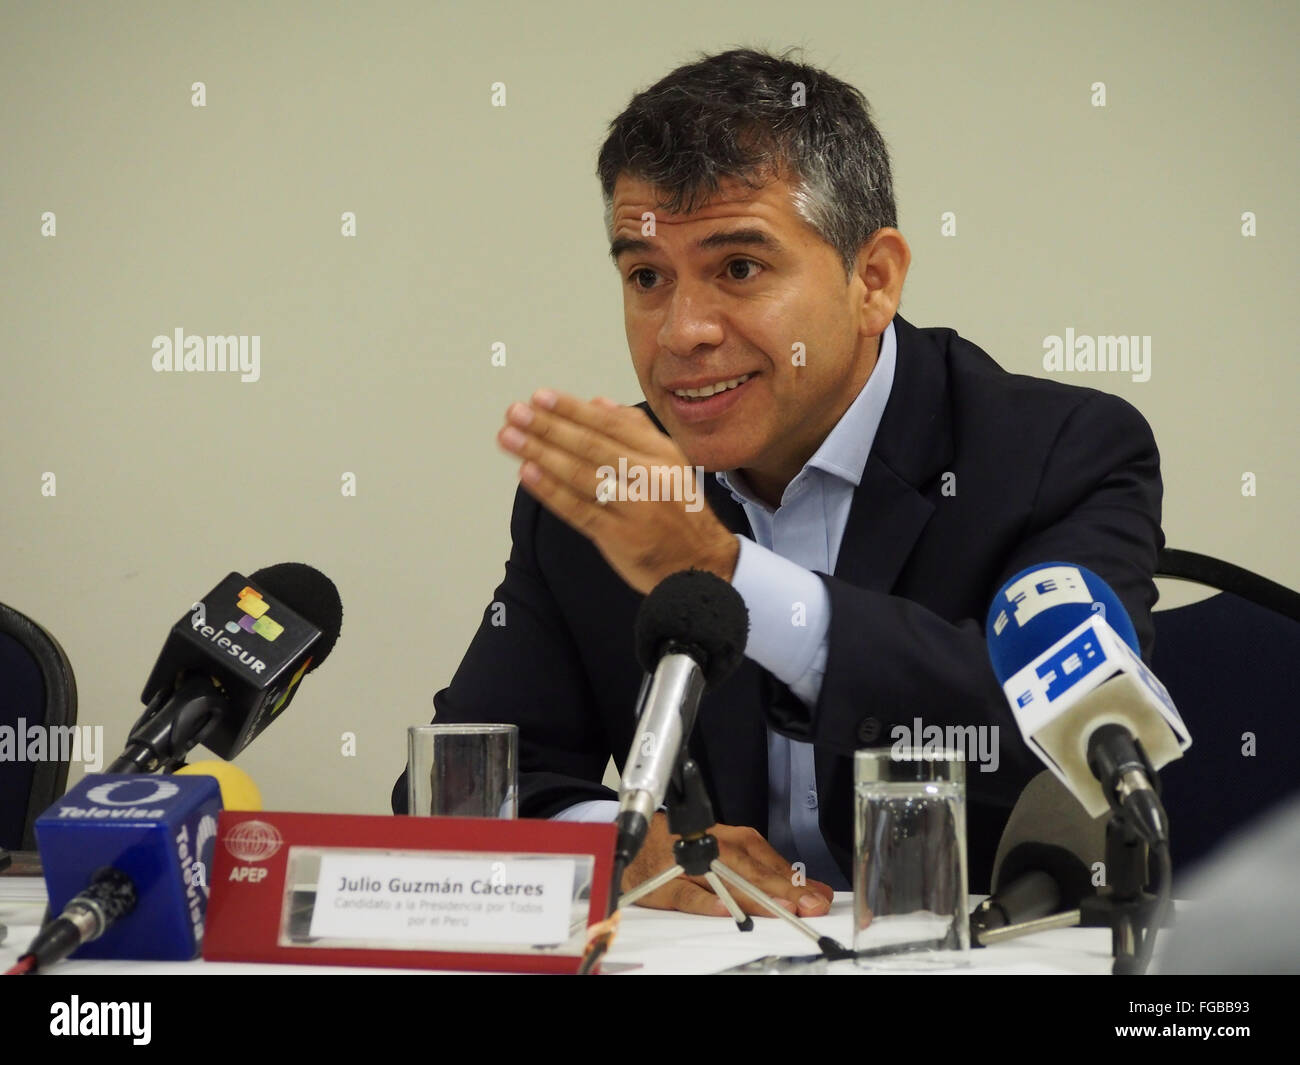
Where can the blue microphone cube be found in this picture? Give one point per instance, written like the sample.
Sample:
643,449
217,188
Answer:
158,830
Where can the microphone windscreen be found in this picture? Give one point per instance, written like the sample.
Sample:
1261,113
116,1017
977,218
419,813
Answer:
1049,830
238,792
700,612
311,595
1043,603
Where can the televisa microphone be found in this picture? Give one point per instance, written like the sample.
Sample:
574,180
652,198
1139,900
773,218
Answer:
126,859
1066,654
231,666
691,633
1044,860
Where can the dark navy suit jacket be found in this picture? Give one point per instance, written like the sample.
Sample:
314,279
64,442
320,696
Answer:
1041,471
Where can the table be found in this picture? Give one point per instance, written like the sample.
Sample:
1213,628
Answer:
650,942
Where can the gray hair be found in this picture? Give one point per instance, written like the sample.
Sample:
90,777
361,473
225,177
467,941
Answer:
737,115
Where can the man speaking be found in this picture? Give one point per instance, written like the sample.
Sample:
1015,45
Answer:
869,486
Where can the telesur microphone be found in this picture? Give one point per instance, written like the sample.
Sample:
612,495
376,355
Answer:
691,632
1065,652
231,665
126,861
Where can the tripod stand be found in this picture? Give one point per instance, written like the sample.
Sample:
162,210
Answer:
1132,914
690,816
1125,906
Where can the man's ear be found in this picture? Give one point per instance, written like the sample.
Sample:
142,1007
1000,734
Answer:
882,268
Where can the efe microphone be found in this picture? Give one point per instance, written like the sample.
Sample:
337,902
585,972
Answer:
1065,652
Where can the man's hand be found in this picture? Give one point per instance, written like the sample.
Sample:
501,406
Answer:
572,452
741,849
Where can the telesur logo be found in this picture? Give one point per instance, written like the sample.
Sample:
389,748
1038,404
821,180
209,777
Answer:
255,619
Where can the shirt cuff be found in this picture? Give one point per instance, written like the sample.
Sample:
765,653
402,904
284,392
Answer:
789,617
589,810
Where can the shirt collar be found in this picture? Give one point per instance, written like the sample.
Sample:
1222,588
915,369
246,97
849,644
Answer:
844,452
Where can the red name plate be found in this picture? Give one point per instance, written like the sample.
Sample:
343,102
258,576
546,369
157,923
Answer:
416,892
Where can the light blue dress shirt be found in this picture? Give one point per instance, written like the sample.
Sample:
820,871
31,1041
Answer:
789,609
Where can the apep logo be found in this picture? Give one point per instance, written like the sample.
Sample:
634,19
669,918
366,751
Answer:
132,792
252,841
1043,589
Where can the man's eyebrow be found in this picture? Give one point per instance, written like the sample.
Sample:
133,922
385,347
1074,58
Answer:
752,238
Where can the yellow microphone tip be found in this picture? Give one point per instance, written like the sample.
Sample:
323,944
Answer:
238,792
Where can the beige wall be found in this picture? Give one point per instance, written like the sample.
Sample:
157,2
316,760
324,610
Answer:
479,224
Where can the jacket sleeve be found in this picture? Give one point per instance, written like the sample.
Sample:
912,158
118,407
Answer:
891,660
523,668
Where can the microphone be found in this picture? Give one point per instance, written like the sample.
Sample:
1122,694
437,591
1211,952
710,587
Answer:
232,665
691,632
126,862
238,791
1066,654
1044,860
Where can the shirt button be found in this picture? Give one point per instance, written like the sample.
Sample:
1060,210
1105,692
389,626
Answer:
869,729
810,800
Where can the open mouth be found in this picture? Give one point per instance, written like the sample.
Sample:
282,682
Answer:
696,394
697,406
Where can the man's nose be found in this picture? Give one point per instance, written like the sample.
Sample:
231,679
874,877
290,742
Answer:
692,320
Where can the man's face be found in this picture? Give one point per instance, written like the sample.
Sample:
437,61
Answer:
771,309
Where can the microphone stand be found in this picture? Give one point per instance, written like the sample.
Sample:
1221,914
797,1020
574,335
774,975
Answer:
172,725
690,816
1124,905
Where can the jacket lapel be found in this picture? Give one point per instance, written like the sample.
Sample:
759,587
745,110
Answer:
913,445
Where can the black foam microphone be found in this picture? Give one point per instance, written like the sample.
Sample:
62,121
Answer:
691,633
232,665
1045,857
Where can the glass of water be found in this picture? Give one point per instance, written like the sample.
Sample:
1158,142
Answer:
909,872
462,770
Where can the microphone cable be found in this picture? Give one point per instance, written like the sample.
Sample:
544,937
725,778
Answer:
109,896
600,936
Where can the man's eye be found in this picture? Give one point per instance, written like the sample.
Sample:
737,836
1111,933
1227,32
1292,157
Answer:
742,262
644,286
